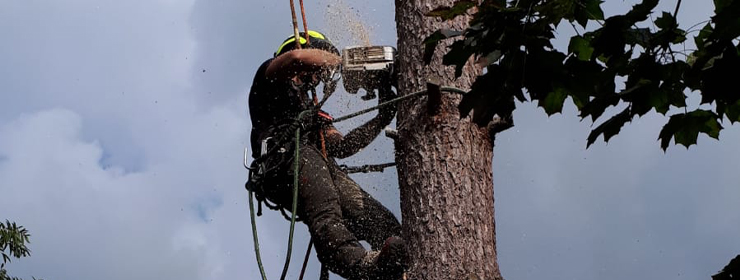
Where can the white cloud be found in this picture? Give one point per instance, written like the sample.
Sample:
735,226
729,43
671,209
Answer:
86,220
183,217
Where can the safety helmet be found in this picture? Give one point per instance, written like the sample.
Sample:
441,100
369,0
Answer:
317,40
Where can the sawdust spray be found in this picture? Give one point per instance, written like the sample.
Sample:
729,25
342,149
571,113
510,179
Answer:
344,25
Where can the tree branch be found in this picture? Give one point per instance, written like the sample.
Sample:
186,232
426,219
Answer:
678,6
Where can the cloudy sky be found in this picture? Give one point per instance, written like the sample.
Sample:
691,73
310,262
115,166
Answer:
122,125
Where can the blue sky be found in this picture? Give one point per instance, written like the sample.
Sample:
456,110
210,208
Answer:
122,156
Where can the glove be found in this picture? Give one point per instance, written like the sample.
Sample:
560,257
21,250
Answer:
389,111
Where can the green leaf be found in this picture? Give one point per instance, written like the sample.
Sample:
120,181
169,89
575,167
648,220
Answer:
585,79
610,127
493,103
669,32
719,76
473,97
665,21
659,100
701,39
673,75
611,39
732,111
431,42
487,98
458,9
588,10
458,55
556,10
719,5
553,102
644,95
581,18
685,128
581,48
543,70
639,36
491,58
593,7
726,22
596,107
640,12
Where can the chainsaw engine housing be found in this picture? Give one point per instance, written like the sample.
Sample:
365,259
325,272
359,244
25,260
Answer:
366,67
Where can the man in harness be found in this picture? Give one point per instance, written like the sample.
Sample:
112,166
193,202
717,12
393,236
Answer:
336,210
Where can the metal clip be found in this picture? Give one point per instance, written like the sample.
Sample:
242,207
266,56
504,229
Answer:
263,149
246,153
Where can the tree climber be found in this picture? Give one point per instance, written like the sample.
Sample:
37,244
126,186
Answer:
336,210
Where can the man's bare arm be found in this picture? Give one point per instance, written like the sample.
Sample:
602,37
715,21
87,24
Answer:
290,64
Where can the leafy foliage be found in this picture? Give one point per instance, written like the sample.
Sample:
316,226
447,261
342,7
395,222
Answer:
730,272
13,240
513,40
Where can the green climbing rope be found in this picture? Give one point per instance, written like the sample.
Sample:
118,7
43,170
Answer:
255,237
296,166
294,208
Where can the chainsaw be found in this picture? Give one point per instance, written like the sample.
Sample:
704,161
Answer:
367,68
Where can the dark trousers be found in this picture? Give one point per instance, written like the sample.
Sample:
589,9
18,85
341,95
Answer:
336,210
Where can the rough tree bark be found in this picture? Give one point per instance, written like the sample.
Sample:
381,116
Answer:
444,163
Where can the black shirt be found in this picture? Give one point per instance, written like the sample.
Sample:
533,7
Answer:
272,103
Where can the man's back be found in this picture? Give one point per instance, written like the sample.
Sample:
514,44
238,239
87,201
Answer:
272,103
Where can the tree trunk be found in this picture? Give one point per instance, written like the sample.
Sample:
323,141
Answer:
444,163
